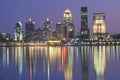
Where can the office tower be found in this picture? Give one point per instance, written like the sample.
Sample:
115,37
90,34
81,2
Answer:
59,30
67,16
18,32
84,31
47,24
30,30
47,29
99,26
70,30
64,31
67,26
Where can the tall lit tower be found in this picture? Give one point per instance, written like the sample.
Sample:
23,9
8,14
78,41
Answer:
68,26
99,26
59,30
67,16
47,26
29,30
18,32
84,31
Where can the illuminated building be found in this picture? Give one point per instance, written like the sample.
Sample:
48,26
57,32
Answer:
67,16
4,37
30,30
54,35
67,26
59,30
18,32
99,26
47,24
84,31
47,29
64,32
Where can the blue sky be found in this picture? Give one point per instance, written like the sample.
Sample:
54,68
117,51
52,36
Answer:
12,11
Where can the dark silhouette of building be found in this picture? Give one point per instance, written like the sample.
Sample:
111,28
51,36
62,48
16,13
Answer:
30,30
84,31
47,29
59,30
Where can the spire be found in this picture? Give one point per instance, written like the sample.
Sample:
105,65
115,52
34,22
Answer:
48,19
30,19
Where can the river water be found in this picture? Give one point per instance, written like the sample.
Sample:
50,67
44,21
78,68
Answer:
60,63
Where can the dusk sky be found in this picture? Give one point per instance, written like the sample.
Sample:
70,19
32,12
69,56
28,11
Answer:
12,11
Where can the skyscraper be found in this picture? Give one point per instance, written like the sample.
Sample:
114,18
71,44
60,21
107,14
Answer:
47,29
67,16
67,25
99,26
18,32
47,24
84,31
30,30
59,30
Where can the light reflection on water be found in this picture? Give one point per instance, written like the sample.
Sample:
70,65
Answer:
60,63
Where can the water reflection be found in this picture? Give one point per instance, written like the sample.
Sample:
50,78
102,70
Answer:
19,58
61,63
100,62
84,62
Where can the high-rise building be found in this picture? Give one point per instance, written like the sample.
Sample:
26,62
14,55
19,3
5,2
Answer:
59,30
99,26
67,16
18,32
47,29
30,30
47,24
67,25
70,30
64,31
84,31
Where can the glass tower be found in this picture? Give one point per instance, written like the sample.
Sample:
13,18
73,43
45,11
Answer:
67,26
84,31
30,30
18,32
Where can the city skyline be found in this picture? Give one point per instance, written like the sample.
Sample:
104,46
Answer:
12,13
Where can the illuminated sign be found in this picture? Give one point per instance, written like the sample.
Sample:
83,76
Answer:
99,21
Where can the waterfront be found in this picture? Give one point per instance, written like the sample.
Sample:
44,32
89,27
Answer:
60,63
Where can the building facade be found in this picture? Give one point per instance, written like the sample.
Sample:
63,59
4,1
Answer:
47,29
67,16
67,26
99,26
18,32
84,31
5,37
59,30
29,30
